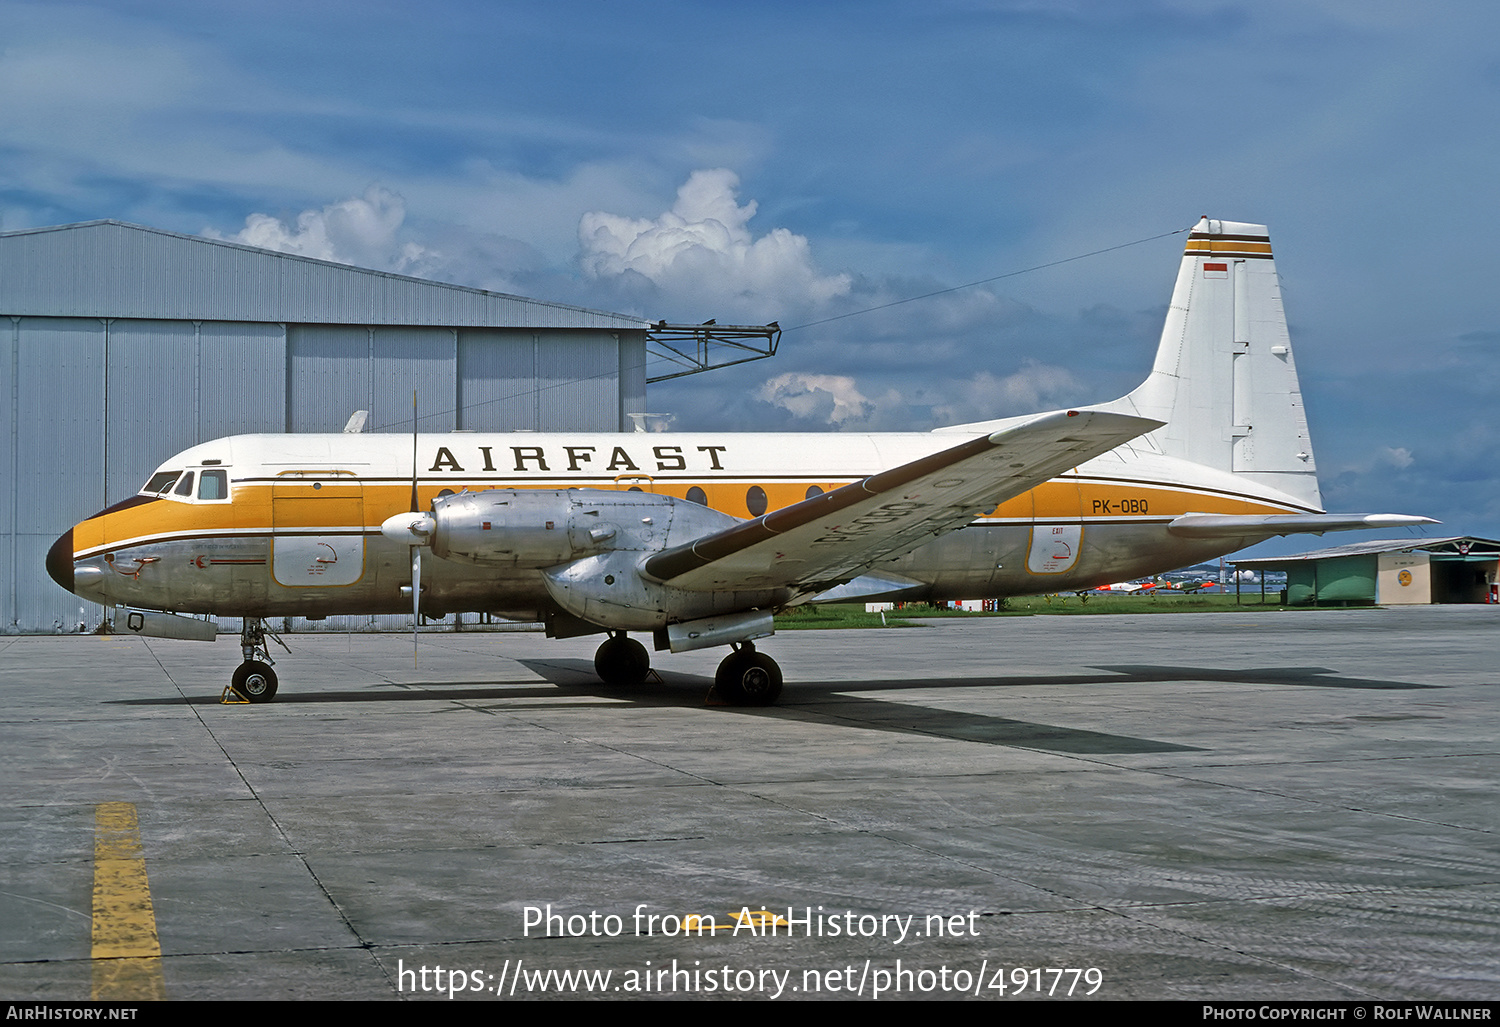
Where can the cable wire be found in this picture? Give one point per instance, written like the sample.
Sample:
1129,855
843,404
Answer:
812,324
986,281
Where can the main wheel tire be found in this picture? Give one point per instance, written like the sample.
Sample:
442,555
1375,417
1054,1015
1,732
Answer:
748,679
622,662
255,681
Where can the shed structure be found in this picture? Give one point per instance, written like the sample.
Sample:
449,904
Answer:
121,345
1391,572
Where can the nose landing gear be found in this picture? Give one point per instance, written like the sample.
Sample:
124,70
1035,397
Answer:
254,679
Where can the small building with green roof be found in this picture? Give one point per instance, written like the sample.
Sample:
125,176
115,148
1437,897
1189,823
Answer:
1390,572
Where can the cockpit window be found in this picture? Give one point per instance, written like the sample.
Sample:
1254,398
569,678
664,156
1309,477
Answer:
185,486
160,482
213,484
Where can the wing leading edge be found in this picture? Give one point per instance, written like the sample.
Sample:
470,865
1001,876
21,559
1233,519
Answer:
831,538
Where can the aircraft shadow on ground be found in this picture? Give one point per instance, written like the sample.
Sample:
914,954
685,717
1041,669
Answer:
829,702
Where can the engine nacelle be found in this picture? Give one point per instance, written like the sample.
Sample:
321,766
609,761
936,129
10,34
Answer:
506,527
608,589
536,528
588,543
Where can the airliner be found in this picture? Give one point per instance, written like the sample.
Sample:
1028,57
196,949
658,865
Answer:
697,540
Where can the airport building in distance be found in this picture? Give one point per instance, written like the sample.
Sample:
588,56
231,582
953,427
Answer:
1391,572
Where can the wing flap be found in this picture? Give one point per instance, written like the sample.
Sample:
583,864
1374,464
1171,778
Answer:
821,542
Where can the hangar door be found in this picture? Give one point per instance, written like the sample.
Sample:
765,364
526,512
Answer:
1462,578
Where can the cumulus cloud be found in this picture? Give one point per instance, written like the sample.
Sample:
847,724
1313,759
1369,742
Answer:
984,396
362,230
1378,461
867,403
824,398
702,251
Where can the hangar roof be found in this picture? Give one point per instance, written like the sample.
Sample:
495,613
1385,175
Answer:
114,269
1454,544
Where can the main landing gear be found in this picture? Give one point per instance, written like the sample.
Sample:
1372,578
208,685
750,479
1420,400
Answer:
621,661
748,678
745,678
254,679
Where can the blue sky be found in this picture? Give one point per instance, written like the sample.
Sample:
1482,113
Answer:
754,161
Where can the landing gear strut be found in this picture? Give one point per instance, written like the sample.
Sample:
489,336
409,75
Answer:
621,661
254,679
748,678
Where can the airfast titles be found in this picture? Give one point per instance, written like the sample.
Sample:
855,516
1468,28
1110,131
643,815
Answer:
806,923
616,459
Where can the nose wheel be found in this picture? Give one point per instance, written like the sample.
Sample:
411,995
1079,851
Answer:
254,679
748,678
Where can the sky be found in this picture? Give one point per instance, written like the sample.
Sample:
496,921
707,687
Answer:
795,162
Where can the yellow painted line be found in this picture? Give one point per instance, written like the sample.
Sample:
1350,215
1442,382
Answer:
126,953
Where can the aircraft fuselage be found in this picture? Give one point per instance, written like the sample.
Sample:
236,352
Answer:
297,529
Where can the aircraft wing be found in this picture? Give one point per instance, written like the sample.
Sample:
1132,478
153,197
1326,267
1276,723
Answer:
1205,525
820,542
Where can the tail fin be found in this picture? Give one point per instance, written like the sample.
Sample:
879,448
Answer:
1224,380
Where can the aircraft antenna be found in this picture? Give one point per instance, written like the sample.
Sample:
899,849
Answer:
986,281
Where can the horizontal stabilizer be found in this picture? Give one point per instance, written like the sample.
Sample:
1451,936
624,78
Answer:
829,539
1206,525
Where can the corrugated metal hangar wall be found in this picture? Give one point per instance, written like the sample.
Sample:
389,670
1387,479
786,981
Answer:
122,345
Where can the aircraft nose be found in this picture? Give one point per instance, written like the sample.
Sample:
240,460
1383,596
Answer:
60,560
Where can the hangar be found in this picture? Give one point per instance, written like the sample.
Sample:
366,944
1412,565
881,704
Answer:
1390,572
120,345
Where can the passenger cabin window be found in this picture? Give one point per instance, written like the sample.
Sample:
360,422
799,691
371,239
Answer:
160,482
185,486
213,484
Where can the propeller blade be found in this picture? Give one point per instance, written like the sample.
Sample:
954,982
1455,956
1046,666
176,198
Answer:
416,598
413,450
414,528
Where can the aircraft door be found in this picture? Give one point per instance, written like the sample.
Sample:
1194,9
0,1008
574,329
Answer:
1056,528
318,525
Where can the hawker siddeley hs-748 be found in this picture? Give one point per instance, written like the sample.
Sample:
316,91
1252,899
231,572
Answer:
696,540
